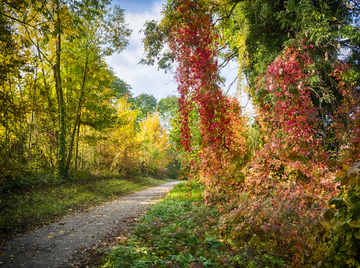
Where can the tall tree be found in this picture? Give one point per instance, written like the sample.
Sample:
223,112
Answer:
101,32
255,32
168,109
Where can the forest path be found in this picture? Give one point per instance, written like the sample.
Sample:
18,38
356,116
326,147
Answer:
53,245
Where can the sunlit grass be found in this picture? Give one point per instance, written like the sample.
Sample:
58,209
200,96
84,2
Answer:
33,207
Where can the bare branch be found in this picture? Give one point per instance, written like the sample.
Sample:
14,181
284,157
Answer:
231,85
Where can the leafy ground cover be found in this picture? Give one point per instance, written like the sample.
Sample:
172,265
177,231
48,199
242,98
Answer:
27,208
181,231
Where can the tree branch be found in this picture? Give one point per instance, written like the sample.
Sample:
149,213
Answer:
38,48
22,22
231,85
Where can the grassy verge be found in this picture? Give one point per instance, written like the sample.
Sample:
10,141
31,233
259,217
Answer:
29,208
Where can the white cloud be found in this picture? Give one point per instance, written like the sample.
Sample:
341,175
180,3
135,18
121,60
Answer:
142,78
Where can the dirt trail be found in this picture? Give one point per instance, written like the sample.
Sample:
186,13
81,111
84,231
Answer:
52,245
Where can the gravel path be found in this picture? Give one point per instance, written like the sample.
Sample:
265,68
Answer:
52,245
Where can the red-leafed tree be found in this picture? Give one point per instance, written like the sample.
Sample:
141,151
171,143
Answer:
287,186
289,119
194,44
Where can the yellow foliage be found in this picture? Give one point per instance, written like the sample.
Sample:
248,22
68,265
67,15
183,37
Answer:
123,150
155,144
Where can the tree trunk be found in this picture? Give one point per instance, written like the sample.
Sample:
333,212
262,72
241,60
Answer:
82,149
32,121
77,146
61,105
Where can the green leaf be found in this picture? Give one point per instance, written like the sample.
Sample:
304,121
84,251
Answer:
357,235
189,257
348,235
338,257
213,243
182,259
354,224
329,214
338,202
350,261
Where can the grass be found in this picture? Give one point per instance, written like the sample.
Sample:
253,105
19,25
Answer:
179,231
26,209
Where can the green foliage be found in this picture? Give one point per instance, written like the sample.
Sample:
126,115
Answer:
145,103
15,182
180,231
169,104
174,168
121,88
168,109
344,216
155,38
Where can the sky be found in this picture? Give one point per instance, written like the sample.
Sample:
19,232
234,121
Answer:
143,78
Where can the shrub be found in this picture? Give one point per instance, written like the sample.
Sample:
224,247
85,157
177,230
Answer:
344,219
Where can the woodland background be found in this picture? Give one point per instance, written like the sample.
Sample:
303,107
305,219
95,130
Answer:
62,107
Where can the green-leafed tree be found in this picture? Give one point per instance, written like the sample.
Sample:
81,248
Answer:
145,103
101,31
52,60
121,88
169,106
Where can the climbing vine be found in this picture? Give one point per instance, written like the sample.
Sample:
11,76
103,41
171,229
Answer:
195,44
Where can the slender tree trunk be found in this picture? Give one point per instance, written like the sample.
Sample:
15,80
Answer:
50,134
77,146
78,114
77,120
32,121
82,150
61,105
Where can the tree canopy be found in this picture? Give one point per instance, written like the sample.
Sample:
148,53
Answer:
59,99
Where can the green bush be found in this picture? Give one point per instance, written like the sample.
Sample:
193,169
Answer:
344,217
